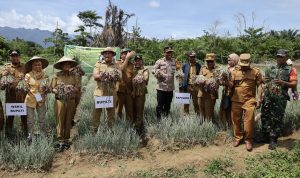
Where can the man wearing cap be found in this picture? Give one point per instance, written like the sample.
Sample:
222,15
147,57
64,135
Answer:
274,104
36,97
164,70
124,87
207,99
244,83
64,106
190,69
16,69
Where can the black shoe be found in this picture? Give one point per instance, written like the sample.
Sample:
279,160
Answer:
59,147
66,146
273,143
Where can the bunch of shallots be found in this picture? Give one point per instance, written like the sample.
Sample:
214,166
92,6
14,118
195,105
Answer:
65,92
211,85
179,76
45,86
110,76
138,79
22,86
77,71
7,80
198,80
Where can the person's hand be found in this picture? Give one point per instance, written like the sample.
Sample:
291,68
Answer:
278,82
258,104
130,54
54,90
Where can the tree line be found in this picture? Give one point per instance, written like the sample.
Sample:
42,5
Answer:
255,40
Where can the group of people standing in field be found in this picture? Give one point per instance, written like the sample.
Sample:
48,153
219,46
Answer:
245,89
125,81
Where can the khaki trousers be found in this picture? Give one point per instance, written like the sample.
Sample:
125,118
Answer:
124,99
41,112
238,110
65,111
207,106
139,104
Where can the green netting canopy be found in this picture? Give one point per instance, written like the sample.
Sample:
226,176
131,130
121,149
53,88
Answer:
87,56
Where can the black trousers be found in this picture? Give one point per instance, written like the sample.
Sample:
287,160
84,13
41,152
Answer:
164,99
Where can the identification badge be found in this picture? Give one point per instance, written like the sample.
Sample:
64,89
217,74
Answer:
38,97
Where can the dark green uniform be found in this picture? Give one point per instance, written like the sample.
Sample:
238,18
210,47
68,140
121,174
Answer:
275,100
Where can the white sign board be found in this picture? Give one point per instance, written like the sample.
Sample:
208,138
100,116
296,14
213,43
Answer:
15,109
104,101
182,98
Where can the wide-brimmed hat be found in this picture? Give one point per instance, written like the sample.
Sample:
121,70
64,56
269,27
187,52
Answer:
28,64
245,60
210,57
108,49
59,63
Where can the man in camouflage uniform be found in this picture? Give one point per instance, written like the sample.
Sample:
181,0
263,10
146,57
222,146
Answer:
244,83
124,87
190,69
207,99
164,71
17,69
276,97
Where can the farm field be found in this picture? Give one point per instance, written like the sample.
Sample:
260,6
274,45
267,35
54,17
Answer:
178,146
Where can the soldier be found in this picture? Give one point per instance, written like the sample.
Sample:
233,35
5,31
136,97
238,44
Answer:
207,99
140,82
36,97
65,86
124,87
190,69
244,82
225,105
17,70
274,103
164,70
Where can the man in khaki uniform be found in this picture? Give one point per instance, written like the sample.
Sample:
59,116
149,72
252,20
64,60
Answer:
190,69
124,87
17,69
207,99
164,70
244,82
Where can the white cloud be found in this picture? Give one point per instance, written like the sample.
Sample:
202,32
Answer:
154,4
38,20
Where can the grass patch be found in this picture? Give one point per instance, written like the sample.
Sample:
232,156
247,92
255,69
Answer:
37,156
188,171
120,139
187,131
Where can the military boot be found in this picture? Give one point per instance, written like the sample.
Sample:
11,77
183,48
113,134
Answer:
273,143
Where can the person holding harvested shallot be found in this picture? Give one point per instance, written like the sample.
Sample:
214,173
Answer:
140,82
38,85
65,86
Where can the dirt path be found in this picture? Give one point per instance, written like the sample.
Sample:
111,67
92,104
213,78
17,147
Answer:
68,164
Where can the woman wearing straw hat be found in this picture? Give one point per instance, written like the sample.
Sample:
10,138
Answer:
65,86
36,97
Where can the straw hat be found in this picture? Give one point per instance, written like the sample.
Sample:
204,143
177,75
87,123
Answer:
108,49
28,64
59,63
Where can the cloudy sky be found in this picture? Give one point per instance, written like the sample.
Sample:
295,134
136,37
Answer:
157,18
